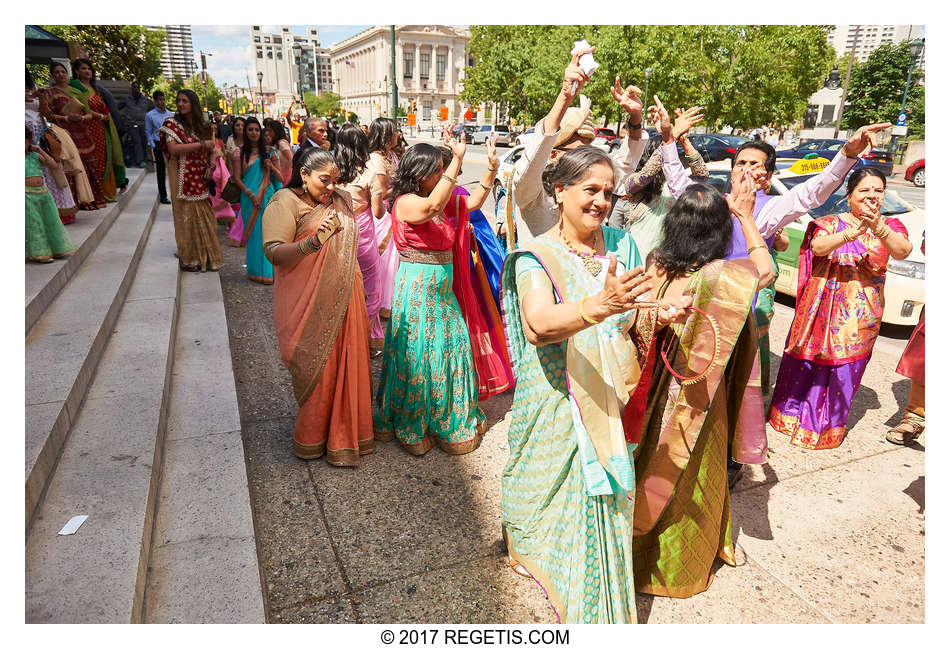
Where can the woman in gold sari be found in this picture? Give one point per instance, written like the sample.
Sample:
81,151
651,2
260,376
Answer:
701,394
310,236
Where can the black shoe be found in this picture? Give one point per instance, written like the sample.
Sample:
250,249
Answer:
164,201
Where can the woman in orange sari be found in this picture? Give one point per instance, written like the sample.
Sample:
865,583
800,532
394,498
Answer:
311,236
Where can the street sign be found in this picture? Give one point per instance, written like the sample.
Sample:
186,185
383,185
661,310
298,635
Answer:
469,115
444,113
899,130
902,119
412,119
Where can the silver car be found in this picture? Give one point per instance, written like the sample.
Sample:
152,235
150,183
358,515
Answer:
485,131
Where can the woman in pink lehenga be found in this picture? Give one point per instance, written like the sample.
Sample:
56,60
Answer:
223,212
356,178
383,136
236,141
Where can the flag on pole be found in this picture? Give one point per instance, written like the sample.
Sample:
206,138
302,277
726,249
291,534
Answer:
349,63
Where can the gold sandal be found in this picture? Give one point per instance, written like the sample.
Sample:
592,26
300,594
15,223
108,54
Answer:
907,431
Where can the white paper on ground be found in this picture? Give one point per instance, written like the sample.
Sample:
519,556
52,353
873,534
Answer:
73,525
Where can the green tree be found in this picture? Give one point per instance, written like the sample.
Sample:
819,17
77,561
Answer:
242,106
877,86
744,75
126,52
326,104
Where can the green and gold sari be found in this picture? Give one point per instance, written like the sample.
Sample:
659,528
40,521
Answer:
109,163
682,519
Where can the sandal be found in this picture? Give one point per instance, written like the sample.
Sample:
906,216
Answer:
907,431
189,268
518,568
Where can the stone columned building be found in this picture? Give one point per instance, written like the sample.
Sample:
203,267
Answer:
430,64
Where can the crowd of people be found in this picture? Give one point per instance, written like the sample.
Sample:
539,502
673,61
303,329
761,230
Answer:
625,300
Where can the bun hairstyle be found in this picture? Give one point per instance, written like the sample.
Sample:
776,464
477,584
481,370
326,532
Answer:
573,167
864,172
696,230
312,159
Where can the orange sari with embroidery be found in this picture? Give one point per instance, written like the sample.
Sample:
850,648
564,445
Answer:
323,330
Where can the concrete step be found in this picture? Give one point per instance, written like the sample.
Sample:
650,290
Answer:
65,345
111,461
203,566
44,281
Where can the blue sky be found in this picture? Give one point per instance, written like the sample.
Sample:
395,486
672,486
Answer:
230,46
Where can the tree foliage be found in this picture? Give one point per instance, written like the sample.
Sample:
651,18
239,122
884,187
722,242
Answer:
126,52
745,75
326,104
242,106
877,86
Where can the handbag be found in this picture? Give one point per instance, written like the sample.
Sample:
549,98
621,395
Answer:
231,193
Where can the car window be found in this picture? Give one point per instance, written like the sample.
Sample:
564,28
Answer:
514,156
719,179
814,145
485,127
838,201
606,131
833,146
501,129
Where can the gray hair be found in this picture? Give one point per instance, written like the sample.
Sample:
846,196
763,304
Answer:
573,167
310,121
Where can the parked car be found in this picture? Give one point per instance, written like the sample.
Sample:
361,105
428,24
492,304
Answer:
506,167
915,173
904,284
468,128
524,136
714,146
606,133
828,148
505,136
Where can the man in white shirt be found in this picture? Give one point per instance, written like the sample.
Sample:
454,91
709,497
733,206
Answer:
561,130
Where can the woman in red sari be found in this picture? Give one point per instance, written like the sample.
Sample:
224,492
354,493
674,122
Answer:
109,165
310,236
70,114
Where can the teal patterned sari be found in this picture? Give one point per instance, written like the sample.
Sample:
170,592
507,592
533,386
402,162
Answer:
567,489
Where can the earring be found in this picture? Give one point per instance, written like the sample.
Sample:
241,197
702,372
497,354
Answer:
557,198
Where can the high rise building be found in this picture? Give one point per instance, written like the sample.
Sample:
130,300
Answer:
287,71
177,52
869,37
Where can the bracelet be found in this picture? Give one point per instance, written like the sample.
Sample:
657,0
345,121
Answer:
308,247
634,127
757,246
587,318
883,233
850,234
483,186
449,178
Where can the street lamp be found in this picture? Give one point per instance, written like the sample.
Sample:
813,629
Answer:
914,48
260,89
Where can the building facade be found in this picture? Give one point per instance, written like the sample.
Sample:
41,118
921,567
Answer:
178,55
286,73
430,66
869,37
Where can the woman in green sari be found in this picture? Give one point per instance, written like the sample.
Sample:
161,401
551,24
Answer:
704,397
109,165
569,300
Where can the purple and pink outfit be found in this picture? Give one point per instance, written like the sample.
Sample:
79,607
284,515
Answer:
388,254
223,211
840,301
367,251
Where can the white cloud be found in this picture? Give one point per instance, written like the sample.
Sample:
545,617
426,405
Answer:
221,31
228,64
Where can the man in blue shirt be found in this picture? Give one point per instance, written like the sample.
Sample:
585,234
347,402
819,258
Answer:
153,121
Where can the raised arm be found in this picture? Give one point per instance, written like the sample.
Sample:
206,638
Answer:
480,193
782,210
677,178
537,150
628,154
741,203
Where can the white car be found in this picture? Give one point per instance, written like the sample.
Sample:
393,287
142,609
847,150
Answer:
506,168
485,131
904,282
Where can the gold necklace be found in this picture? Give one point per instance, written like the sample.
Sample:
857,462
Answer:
592,265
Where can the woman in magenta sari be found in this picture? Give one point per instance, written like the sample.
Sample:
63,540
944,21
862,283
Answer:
356,178
840,302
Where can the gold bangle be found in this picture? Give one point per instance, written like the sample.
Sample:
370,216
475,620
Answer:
883,231
449,178
757,246
483,186
850,234
587,318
